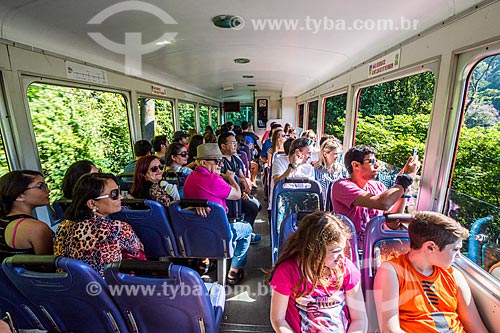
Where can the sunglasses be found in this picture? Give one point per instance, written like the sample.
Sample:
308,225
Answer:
371,160
183,154
113,195
41,186
217,161
157,167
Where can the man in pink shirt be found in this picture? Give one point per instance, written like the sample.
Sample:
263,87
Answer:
362,198
206,182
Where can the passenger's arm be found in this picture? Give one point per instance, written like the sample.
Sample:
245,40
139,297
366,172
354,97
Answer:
279,304
385,201
467,311
386,295
235,193
357,310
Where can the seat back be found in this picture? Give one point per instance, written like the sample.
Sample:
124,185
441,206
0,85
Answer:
60,207
150,221
177,301
292,195
125,181
197,236
234,207
291,224
203,237
385,238
24,314
72,296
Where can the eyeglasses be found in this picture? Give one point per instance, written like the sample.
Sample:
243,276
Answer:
232,143
217,161
113,195
183,154
157,167
8,319
41,186
371,160
283,135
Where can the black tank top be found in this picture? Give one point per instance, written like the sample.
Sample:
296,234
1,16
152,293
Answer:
5,250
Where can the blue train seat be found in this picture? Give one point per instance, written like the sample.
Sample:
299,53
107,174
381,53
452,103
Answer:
203,237
72,295
150,221
292,195
179,301
125,181
386,237
60,207
24,314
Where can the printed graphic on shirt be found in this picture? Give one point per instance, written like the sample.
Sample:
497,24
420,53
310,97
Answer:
322,313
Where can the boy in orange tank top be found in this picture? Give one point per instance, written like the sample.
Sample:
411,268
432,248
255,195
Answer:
431,296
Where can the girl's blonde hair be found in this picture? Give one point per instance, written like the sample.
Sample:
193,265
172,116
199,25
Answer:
308,244
326,147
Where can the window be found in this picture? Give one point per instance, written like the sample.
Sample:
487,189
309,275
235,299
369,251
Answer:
156,118
72,124
186,116
204,117
214,114
312,119
335,109
4,165
246,113
301,116
474,191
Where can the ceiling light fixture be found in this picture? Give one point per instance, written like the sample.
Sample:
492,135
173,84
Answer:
242,60
248,76
227,21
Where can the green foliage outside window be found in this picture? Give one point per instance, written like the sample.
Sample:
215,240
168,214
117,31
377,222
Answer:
4,165
163,116
204,116
312,121
246,113
335,112
214,113
186,116
72,124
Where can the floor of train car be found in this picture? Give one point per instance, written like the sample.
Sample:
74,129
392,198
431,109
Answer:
247,304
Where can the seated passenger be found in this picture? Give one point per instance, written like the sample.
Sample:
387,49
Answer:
160,144
420,291
314,284
88,234
362,198
20,233
141,148
74,172
194,142
176,159
231,162
206,183
328,169
147,177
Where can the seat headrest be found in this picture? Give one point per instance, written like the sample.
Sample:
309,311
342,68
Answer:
145,268
36,263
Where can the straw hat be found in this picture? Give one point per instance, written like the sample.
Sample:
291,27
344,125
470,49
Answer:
208,151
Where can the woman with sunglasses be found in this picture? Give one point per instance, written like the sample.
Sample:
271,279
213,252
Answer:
88,233
175,159
277,141
147,177
20,233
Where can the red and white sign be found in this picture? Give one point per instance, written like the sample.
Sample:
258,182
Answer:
386,64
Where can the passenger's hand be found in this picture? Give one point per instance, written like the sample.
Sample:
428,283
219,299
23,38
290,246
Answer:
203,211
245,196
412,166
228,175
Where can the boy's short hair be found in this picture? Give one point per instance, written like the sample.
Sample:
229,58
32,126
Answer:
357,153
142,148
158,141
432,226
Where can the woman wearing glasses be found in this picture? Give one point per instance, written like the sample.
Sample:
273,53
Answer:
175,159
147,178
20,233
88,233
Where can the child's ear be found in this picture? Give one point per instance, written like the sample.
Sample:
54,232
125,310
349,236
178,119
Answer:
430,247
